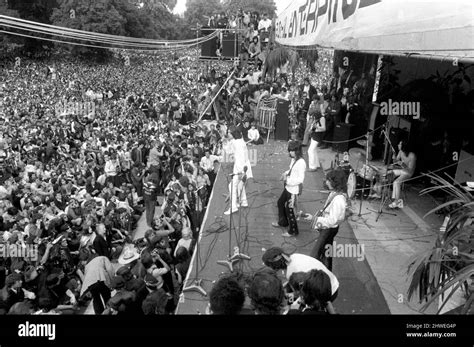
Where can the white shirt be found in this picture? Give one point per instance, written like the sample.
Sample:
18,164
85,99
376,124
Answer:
241,157
111,168
264,24
321,125
305,263
335,213
253,80
296,177
207,163
253,134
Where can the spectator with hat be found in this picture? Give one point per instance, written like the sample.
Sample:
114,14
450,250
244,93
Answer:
157,299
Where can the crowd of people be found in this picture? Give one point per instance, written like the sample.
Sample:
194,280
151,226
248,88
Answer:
86,149
252,31
305,286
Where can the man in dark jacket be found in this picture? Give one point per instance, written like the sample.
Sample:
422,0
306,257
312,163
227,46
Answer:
150,187
100,244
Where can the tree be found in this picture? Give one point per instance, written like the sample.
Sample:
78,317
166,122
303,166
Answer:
169,4
138,20
99,16
198,11
260,6
33,10
7,42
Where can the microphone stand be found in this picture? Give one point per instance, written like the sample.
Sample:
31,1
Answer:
237,256
365,173
195,285
385,187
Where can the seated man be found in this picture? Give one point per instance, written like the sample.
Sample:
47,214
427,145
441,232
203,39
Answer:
406,160
254,135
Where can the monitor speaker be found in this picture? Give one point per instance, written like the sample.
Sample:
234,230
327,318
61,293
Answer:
342,133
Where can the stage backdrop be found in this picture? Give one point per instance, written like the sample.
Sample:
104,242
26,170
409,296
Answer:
436,28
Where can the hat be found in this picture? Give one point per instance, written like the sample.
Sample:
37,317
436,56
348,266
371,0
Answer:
152,281
294,145
273,255
129,255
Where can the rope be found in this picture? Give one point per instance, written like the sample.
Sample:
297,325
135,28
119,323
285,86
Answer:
81,33
148,48
215,96
357,138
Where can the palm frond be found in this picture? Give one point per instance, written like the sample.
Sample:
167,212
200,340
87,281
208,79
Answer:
446,204
459,277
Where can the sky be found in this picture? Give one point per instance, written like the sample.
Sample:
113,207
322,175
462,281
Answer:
181,6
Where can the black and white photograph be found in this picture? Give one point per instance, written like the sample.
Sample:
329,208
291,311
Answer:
165,162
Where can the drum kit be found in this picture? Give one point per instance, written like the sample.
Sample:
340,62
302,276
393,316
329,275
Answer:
362,177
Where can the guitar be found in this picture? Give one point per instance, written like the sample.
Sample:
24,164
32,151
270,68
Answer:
319,213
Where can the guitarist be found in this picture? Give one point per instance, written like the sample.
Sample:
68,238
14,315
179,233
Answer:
327,221
293,179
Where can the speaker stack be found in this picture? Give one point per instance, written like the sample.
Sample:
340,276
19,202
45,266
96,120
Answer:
230,45
208,48
282,123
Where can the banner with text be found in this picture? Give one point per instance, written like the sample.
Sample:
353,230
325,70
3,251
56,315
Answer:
427,27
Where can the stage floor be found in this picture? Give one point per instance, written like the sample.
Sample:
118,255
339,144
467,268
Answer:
359,292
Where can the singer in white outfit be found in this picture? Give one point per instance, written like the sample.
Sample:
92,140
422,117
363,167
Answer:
242,171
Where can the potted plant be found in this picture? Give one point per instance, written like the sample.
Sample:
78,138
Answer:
449,266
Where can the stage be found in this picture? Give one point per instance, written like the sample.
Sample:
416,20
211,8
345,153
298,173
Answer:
359,292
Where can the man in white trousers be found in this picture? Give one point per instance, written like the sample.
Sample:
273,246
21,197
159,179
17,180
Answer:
242,171
317,133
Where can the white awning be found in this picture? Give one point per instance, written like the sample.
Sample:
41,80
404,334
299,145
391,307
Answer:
430,28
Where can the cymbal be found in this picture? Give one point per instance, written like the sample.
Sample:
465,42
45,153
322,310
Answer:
357,157
364,143
357,153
